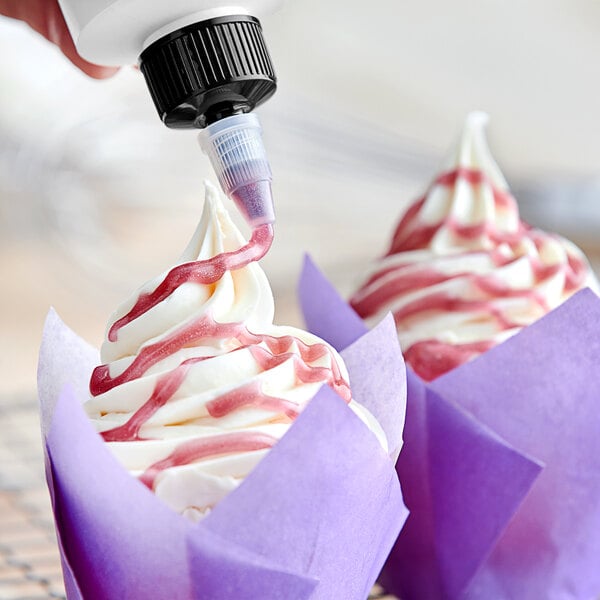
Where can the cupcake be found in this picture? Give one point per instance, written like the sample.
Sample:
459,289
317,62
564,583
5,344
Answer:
463,272
500,468
255,449
197,383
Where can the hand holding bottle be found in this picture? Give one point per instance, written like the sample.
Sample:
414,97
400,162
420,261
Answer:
47,19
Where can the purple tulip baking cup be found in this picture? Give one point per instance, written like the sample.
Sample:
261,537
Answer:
315,519
500,467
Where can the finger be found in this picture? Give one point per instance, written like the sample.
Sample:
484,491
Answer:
45,16
65,43
59,34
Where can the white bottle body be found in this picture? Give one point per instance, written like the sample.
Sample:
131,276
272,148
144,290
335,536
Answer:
115,32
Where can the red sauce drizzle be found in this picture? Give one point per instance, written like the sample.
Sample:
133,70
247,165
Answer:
202,271
430,358
410,235
446,303
250,394
166,385
202,448
205,327
273,352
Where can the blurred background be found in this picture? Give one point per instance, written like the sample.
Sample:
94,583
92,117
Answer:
96,195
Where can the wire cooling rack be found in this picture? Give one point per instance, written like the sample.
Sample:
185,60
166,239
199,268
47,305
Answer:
29,561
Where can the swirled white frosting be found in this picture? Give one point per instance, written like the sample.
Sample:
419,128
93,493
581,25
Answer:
464,272
241,297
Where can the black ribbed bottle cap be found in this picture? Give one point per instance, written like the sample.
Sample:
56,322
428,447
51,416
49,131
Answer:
207,71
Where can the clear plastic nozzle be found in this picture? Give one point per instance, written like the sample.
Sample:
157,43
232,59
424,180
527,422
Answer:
235,148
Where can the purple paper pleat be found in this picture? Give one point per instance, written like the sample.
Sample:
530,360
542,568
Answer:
373,357
462,484
119,541
221,569
500,467
325,313
541,391
377,382
71,587
328,518
65,360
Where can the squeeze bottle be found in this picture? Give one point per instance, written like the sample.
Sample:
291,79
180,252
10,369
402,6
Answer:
206,65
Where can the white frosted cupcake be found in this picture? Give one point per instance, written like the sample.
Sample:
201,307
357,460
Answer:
197,382
464,272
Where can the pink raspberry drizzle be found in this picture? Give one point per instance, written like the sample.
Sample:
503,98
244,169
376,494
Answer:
202,448
271,352
432,358
202,271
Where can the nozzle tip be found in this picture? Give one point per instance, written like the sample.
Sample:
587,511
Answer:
236,151
255,201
